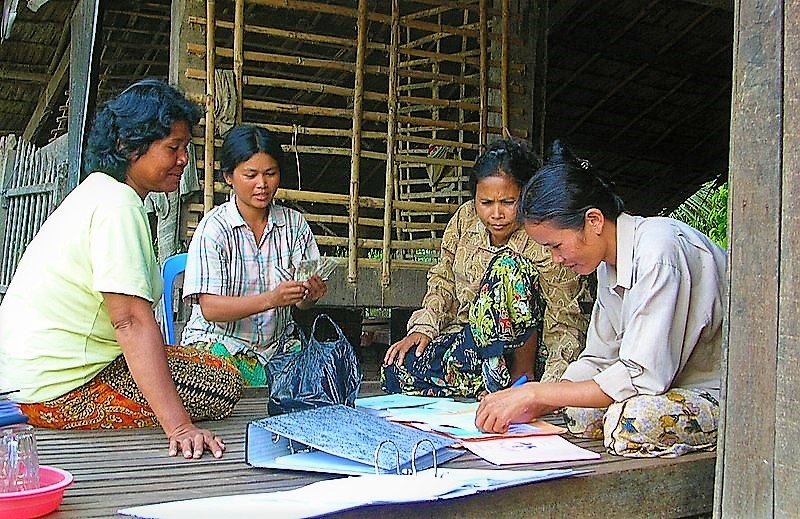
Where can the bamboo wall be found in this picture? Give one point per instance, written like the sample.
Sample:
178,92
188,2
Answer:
382,106
32,184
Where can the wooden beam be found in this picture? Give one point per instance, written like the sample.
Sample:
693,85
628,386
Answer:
45,105
540,14
746,459
82,76
633,53
564,10
726,5
598,50
8,74
787,416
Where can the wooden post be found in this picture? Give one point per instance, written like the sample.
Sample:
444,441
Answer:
238,57
391,146
355,155
83,34
538,38
211,48
483,126
504,28
787,414
758,462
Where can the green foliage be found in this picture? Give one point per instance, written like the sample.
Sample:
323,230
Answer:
707,211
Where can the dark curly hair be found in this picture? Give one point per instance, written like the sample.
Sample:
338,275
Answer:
127,124
512,157
565,188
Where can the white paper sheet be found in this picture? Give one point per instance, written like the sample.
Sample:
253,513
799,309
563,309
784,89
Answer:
457,419
530,449
334,495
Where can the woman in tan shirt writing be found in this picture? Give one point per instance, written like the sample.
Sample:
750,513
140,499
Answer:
497,307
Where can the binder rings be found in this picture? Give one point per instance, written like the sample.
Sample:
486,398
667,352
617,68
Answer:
342,440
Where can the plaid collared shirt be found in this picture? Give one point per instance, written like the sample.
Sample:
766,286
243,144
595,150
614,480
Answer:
224,259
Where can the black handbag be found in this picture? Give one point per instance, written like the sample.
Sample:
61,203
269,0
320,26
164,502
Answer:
320,373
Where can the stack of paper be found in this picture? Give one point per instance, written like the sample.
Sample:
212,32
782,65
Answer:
535,442
445,416
335,495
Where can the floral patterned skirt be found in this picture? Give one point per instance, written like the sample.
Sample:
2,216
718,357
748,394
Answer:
209,387
668,425
507,310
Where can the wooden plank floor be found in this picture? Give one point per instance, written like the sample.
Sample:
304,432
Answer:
118,469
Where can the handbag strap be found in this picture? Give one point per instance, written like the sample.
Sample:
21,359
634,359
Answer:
333,323
289,331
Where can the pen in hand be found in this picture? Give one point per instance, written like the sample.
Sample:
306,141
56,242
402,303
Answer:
521,380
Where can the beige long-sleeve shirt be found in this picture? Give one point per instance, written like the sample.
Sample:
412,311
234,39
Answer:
455,279
657,320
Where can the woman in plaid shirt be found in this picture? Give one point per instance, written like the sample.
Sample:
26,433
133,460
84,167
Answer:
243,257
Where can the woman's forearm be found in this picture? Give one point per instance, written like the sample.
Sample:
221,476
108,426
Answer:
223,309
143,348
571,394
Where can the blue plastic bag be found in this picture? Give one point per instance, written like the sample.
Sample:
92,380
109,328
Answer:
320,373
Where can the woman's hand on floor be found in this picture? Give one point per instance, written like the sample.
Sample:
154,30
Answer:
397,351
192,441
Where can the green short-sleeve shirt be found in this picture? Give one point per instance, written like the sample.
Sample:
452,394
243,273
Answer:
56,331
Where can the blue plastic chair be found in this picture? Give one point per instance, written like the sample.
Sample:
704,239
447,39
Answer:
173,266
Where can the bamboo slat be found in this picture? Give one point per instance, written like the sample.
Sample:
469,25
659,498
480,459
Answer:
504,59
355,158
484,75
317,38
369,202
366,243
391,146
374,222
324,8
208,191
303,130
442,142
344,66
238,57
32,188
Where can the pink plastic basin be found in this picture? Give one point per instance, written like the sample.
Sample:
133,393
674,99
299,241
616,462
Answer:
39,502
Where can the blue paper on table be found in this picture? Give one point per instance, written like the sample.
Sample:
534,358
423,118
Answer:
10,413
397,400
341,440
